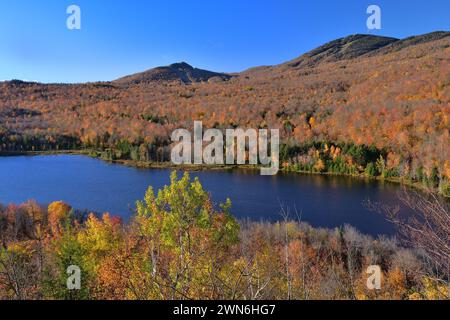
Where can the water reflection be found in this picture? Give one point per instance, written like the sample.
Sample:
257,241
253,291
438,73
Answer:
325,201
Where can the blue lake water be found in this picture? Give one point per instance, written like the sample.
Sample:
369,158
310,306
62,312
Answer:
86,183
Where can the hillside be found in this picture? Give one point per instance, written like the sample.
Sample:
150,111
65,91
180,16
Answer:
182,72
342,49
360,104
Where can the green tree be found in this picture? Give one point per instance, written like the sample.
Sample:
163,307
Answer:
371,170
66,251
381,166
187,238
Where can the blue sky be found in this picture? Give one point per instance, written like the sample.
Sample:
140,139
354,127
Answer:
120,37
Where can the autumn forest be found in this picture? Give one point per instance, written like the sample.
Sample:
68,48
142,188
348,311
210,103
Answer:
179,246
366,106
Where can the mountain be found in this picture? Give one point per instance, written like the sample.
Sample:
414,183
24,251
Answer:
362,90
348,48
182,72
342,49
398,45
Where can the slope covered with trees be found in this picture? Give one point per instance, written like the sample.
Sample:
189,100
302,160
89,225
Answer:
358,105
179,246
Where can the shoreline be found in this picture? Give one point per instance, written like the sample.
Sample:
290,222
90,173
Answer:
193,167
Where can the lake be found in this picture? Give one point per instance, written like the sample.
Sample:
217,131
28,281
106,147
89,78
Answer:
86,183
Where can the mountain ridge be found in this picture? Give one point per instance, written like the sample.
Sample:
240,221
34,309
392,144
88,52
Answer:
392,95
345,48
180,71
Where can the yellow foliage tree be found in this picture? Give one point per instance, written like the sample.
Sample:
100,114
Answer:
58,214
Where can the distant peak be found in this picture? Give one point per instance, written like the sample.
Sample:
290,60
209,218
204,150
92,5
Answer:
180,71
349,47
359,36
181,65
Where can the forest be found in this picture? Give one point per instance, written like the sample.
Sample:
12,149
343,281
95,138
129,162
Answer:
361,105
179,245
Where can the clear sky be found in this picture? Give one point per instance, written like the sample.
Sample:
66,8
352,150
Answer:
120,37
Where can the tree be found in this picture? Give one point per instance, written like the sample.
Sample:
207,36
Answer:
58,216
186,238
371,170
381,166
428,229
18,276
65,251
